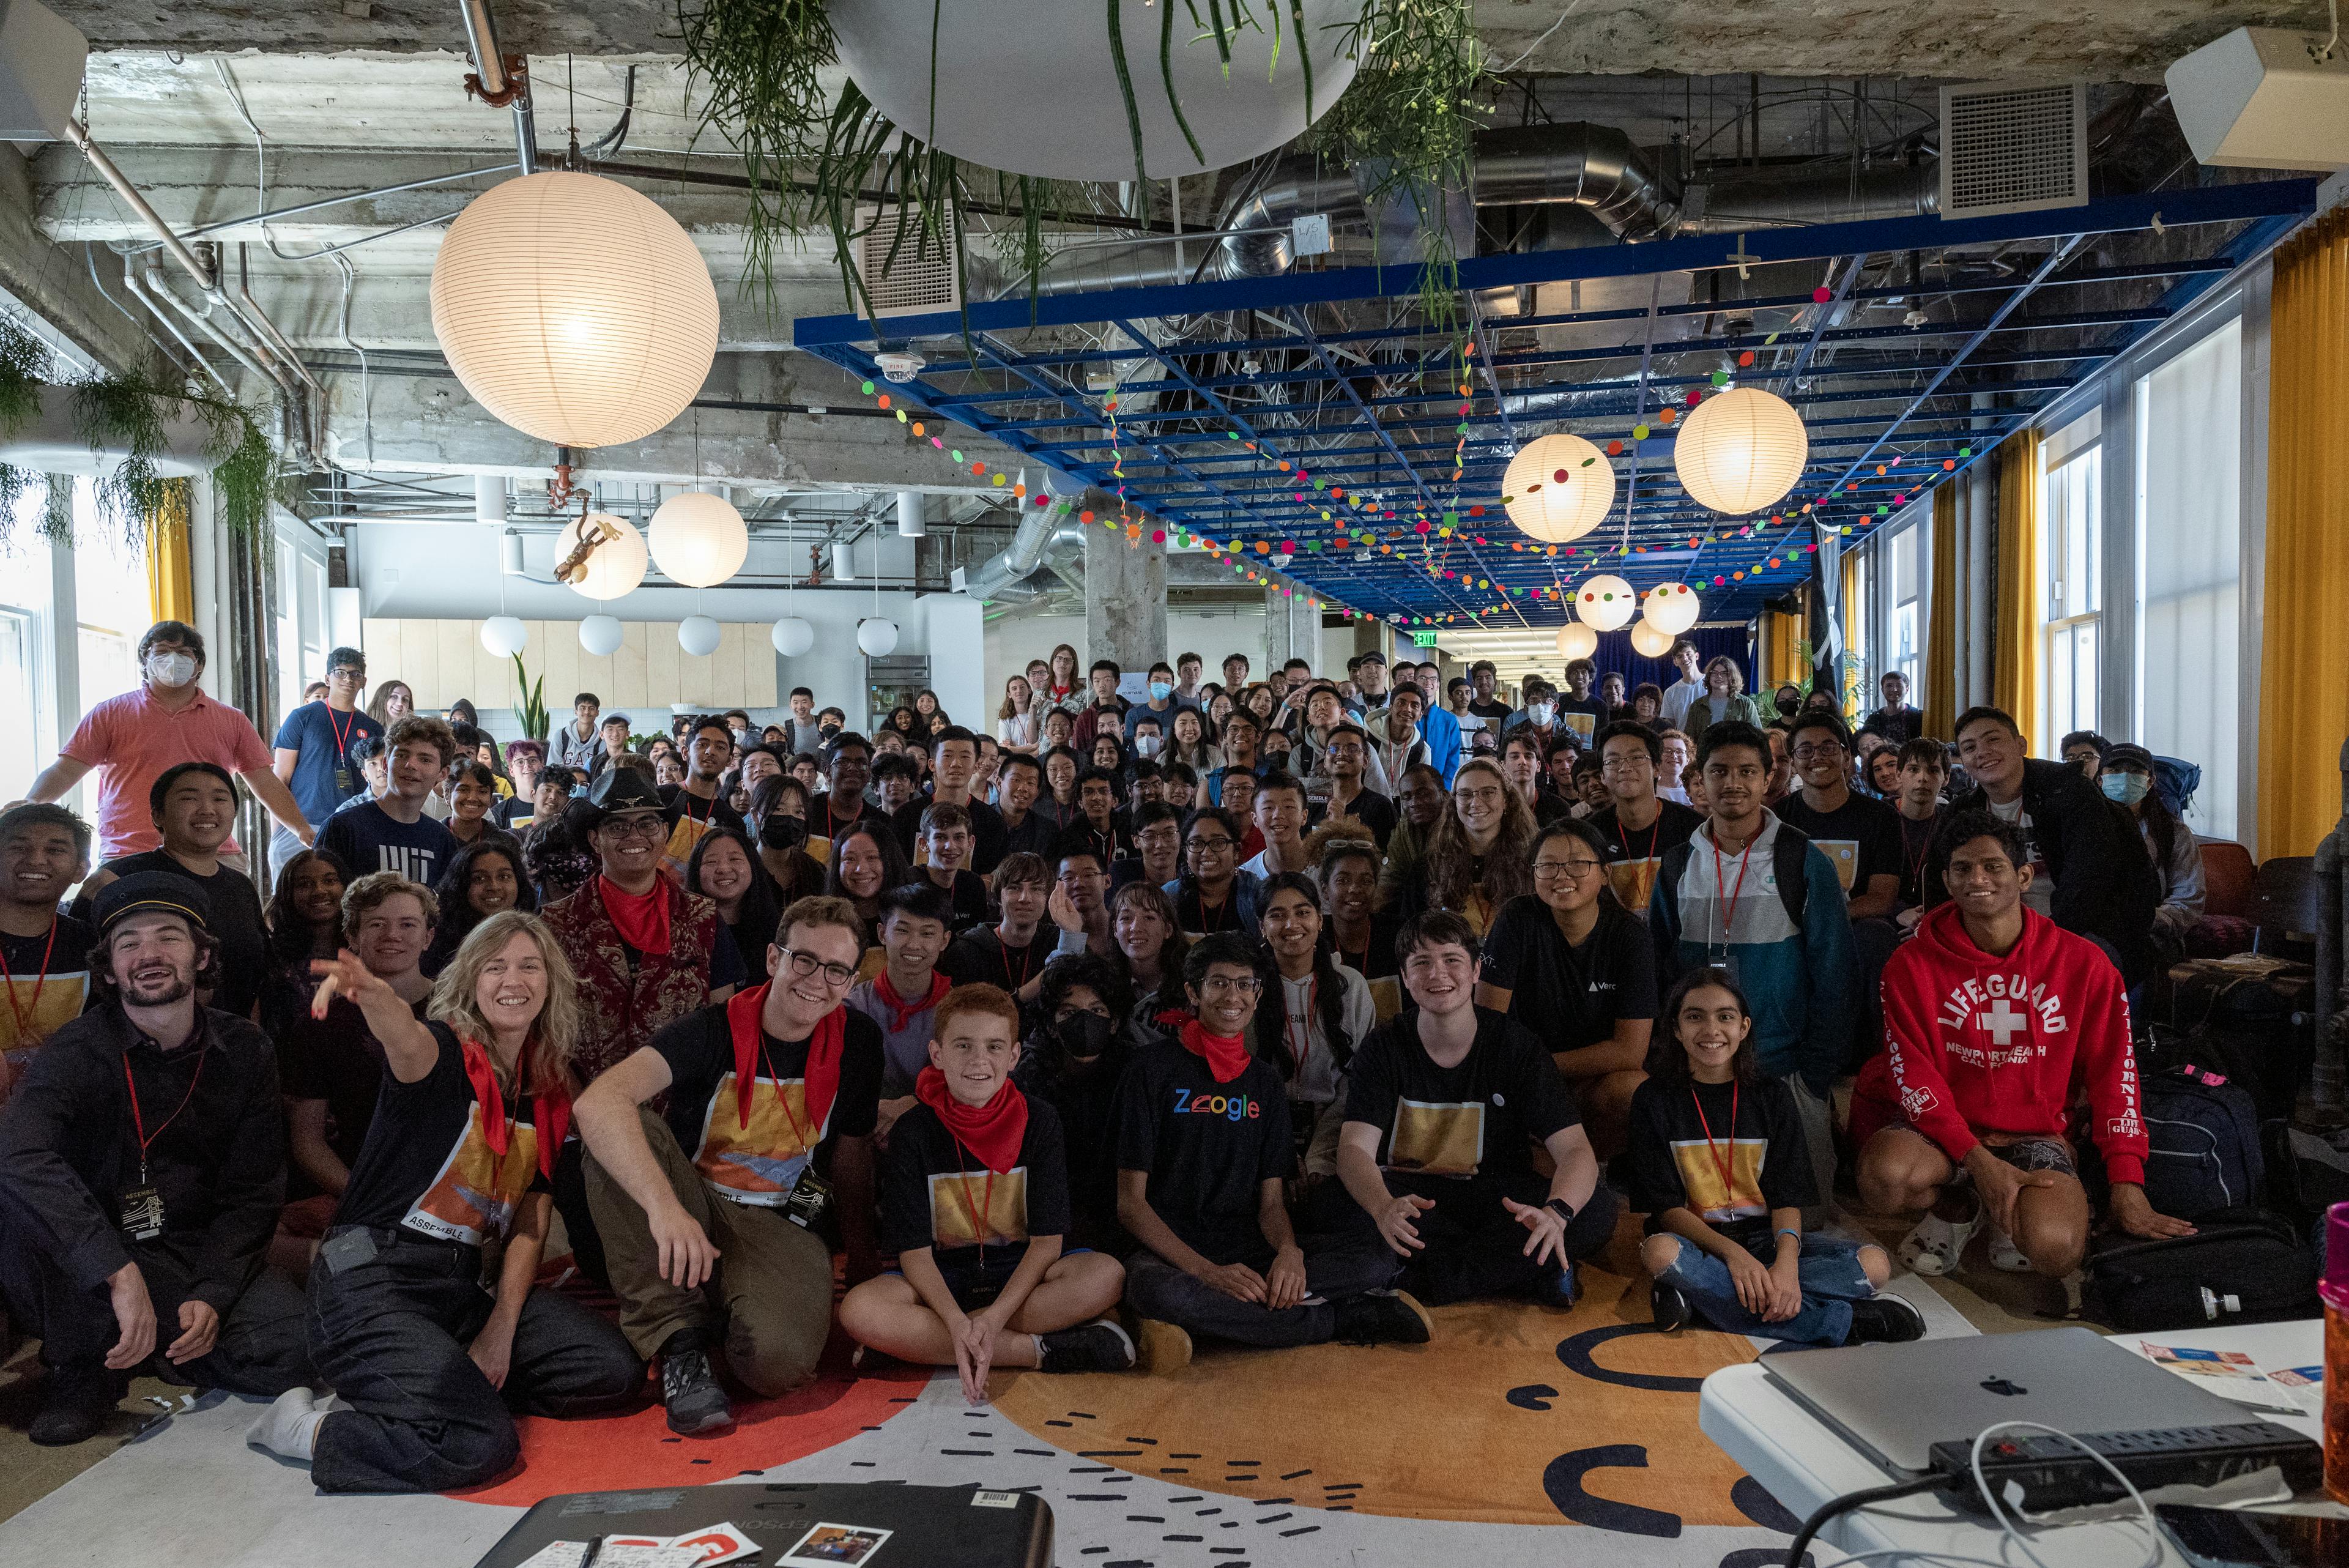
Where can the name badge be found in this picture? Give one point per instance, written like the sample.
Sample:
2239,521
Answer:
143,1214
343,780
810,1196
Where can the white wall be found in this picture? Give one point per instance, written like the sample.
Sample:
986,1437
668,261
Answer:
1013,640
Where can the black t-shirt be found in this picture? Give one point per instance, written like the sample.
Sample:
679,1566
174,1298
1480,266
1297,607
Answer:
1085,1095
1915,847
336,1059
1493,712
1634,852
680,804
1208,1147
1036,835
243,967
368,838
987,833
1861,837
1675,1163
48,984
969,896
1571,996
1480,1119
1590,707
426,1165
760,1163
1371,809
934,1191
980,956
1377,960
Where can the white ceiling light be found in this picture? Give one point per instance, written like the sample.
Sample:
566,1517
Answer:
698,539
602,635
698,635
574,309
1650,641
1671,609
792,636
1576,641
505,635
876,637
1741,450
1605,602
615,566
1559,488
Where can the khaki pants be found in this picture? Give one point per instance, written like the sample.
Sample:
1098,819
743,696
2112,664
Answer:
772,1287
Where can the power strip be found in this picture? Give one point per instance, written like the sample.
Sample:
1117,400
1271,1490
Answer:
2052,1473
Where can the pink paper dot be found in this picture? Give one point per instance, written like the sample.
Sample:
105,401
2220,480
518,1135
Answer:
1821,294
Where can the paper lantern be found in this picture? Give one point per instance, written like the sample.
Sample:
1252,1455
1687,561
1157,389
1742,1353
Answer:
698,539
1740,450
505,635
1576,641
1606,603
698,635
1671,609
574,309
601,635
792,636
615,566
1559,488
1650,641
876,637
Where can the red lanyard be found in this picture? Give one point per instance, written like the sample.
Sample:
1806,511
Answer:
1647,876
830,822
1917,865
1026,960
807,1145
25,1035
139,1123
685,798
1222,912
1729,904
342,733
1301,1031
979,1227
1722,1163
1363,968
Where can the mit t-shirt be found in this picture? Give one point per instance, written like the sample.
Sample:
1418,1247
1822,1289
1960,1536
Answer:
324,774
1861,837
426,1165
1478,1118
46,978
1207,1147
759,1162
368,838
1730,1174
1571,995
935,1193
1633,854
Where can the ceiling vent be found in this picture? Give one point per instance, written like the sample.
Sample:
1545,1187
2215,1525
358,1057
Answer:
2014,147
920,275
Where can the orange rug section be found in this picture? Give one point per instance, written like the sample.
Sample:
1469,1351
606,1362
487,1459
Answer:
1514,1414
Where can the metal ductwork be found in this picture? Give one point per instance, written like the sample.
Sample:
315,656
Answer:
1811,196
1595,167
1046,535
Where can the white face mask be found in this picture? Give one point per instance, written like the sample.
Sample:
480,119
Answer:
1148,745
170,669
1540,714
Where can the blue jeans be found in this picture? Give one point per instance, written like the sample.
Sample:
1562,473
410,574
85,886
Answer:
1831,1276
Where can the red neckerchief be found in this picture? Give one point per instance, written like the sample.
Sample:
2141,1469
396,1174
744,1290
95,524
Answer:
641,918
550,1114
1226,1055
901,1012
821,1080
993,1131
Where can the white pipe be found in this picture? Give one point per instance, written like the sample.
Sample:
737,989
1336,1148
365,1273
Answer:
911,521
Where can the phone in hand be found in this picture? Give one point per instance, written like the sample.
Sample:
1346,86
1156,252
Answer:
2227,1538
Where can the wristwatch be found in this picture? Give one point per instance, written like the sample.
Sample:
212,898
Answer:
1562,1208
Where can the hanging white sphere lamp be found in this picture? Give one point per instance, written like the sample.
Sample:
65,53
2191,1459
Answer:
1671,608
1576,641
615,566
1559,488
505,635
698,635
792,636
877,637
1605,602
698,539
1740,451
1649,640
601,635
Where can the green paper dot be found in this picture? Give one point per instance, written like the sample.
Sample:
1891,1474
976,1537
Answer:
1965,452
956,455
868,389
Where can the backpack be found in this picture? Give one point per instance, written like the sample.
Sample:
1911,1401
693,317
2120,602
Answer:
2204,1134
1789,862
2240,1266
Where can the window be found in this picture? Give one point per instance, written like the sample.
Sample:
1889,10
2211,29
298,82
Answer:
301,618
1904,649
110,605
21,670
2072,569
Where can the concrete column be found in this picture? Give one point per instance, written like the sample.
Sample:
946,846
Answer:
1125,600
1292,630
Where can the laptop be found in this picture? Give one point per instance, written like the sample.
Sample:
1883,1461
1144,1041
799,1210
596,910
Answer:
1894,1402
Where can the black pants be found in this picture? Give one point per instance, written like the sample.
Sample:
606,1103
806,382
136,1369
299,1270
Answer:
1475,1246
259,1347
578,1220
391,1335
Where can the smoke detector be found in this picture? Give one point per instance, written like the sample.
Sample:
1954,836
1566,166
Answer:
900,366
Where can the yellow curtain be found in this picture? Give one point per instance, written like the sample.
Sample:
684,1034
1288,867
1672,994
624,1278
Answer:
2014,632
1940,703
171,575
1782,661
2304,651
1855,641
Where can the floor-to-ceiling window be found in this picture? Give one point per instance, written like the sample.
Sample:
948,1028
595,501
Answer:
2071,610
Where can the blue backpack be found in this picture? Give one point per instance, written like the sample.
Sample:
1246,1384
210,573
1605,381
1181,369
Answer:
2204,1133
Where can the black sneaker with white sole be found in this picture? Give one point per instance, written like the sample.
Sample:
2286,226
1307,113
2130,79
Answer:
1885,1320
1672,1309
689,1388
1384,1317
1096,1346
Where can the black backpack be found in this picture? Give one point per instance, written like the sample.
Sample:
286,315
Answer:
2204,1156
2241,1266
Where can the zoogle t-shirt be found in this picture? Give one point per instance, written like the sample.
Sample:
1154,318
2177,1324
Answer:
1206,1147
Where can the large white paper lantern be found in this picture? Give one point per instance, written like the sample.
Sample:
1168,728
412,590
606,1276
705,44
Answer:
574,309
505,635
1559,488
876,637
1576,641
1650,641
1671,609
1606,602
698,635
1741,450
616,566
792,637
698,539
602,635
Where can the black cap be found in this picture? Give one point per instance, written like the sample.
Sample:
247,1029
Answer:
2129,756
141,890
1372,657
621,789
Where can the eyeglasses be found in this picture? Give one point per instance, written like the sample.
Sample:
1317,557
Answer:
1825,751
637,828
1228,985
1213,846
1551,870
1625,764
804,964
1488,796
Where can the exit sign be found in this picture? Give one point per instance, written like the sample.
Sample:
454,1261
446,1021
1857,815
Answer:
1422,640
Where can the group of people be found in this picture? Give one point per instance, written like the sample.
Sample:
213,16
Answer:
1322,1005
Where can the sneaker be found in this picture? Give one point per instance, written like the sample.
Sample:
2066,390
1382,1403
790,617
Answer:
1384,1317
1562,1289
76,1404
1096,1346
689,1389
1160,1347
1672,1309
1885,1320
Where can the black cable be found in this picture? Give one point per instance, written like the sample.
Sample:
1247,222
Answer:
1850,1500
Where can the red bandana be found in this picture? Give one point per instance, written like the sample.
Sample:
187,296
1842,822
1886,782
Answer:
550,1114
901,1012
993,1131
821,1076
641,918
1226,1055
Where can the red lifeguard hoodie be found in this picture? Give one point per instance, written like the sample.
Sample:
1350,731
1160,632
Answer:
1976,1044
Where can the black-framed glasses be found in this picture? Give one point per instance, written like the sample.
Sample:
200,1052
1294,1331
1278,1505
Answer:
835,975
648,827
1551,870
1210,845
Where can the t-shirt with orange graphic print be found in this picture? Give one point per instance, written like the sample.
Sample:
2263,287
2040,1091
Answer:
428,1165
757,1159
935,1193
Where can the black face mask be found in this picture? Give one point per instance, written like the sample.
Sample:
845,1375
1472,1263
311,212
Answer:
781,832
1082,1034
1789,705
827,732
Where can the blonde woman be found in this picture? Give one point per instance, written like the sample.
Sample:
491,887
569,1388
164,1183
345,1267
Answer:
430,1368
1015,722
1723,698
1480,852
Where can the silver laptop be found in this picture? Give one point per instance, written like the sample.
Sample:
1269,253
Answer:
1894,1402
